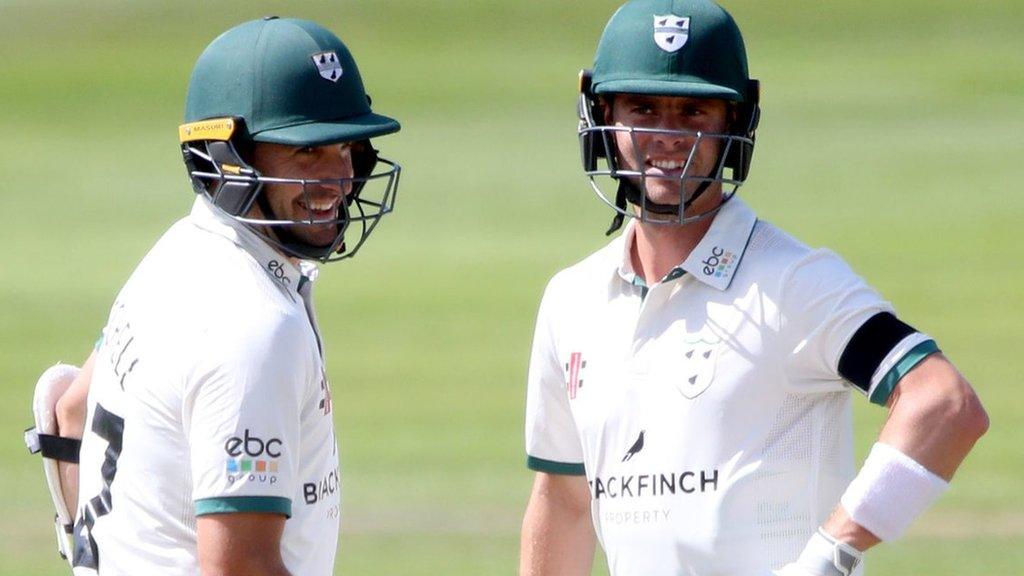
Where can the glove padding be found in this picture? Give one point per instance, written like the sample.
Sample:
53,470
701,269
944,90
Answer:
43,438
824,556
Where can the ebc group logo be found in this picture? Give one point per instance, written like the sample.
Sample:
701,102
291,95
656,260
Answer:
252,458
719,263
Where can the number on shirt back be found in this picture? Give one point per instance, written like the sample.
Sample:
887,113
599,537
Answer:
110,427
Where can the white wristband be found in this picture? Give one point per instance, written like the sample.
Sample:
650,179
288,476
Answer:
891,490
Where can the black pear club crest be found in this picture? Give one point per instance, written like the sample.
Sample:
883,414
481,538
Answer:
671,32
328,65
699,359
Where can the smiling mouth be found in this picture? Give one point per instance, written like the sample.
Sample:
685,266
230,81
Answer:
666,164
324,209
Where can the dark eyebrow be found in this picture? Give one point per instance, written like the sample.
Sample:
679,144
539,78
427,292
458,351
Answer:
634,99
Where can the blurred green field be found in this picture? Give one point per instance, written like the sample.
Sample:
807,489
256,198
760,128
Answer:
893,132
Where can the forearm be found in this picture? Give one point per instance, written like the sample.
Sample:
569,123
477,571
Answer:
71,406
841,527
934,419
554,544
557,537
240,544
250,570
889,493
70,412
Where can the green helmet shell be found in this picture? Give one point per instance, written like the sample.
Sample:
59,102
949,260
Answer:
292,81
672,48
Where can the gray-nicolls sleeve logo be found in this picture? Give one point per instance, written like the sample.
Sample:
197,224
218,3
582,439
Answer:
574,374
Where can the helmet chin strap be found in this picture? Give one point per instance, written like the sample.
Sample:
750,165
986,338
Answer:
629,192
620,204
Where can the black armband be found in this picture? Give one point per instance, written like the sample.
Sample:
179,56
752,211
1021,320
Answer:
869,346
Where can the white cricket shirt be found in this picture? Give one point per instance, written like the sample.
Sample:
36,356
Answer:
209,395
707,410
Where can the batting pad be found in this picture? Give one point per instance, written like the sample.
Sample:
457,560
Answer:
53,383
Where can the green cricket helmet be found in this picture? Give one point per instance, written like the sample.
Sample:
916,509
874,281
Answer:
292,82
689,48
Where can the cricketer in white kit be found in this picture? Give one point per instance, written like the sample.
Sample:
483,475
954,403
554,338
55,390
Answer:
689,391
706,410
208,443
208,395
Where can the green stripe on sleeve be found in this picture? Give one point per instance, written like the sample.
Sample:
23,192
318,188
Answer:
231,504
880,395
551,467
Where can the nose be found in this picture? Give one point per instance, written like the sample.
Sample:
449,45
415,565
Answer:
335,169
673,136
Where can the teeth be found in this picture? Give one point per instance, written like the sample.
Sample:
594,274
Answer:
322,205
668,164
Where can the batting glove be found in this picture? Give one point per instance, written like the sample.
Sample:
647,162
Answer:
823,556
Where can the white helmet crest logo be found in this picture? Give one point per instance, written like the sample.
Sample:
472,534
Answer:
671,31
328,65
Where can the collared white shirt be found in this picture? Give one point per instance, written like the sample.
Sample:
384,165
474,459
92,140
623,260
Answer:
209,396
707,410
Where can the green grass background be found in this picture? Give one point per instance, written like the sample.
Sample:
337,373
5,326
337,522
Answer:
893,132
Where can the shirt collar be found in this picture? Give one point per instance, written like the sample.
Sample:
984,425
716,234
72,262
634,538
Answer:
716,257
211,219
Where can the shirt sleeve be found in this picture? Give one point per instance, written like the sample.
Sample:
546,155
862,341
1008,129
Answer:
552,441
823,304
837,331
243,422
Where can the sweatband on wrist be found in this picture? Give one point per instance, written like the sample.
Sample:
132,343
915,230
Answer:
891,490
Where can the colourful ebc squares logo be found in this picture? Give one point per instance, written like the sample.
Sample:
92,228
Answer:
232,465
246,465
725,264
719,263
